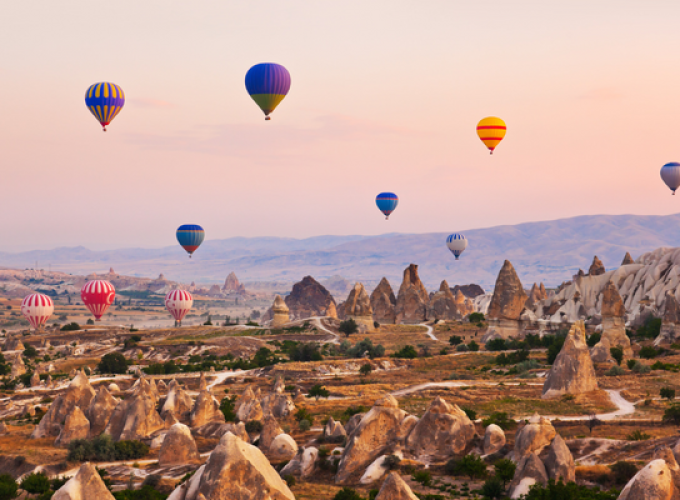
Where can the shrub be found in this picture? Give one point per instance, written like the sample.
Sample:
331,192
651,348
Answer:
471,414
8,487
347,494
305,425
30,352
353,410
470,465
568,491
651,328
289,479
253,426
614,371
364,347
70,327
227,407
504,470
348,327
648,352
365,369
500,418
667,393
493,489
594,339
640,368
391,462
496,345
455,340
146,492
638,435
617,354
623,472
473,346
36,484
113,362
102,448
476,317
631,363
462,348
672,414
406,352
555,348
423,477
303,414
308,351
318,391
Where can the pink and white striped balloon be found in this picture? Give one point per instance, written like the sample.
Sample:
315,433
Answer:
98,295
37,308
178,303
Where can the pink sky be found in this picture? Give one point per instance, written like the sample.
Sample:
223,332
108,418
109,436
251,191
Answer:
385,97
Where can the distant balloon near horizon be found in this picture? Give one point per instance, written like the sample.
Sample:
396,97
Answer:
267,84
178,303
104,100
457,243
670,174
98,295
387,203
37,309
190,237
491,131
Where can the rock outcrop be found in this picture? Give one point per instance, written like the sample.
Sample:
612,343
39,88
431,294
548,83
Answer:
283,448
559,464
177,401
394,488
100,410
470,291
533,437
572,372
670,323
494,439
358,307
377,433
627,259
249,407
232,285
596,268
444,430
613,327
77,426
206,409
443,305
136,417
13,343
86,484
412,299
383,303
303,464
178,447
235,469
530,470
334,431
655,481
308,298
506,304
280,313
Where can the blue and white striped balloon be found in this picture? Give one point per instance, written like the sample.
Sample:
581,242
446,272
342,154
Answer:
457,243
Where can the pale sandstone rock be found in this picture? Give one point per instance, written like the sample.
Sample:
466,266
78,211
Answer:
136,417
206,409
627,259
613,327
114,388
100,410
358,307
559,463
506,306
596,268
443,305
178,447
282,448
530,470
533,437
303,464
309,298
494,439
653,482
85,485
394,488
270,429
383,303
35,379
572,372
249,407
412,299
353,423
77,426
334,430
178,402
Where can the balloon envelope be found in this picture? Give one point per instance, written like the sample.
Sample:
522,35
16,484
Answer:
190,236
267,84
98,295
37,308
491,130
178,303
670,173
104,100
387,202
457,243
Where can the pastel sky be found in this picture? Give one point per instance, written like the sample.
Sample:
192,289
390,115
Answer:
385,96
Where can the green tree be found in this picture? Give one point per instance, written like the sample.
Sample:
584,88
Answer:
36,484
455,340
30,352
493,489
227,407
501,419
8,487
555,348
318,391
365,369
667,393
617,354
505,470
672,414
568,491
406,352
470,465
623,471
476,317
593,339
113,362
648,352
496,345
348,327
347,494
473,346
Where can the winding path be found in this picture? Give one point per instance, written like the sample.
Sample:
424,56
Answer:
430,332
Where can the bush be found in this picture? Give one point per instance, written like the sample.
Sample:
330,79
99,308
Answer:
289,479
318,391
305,425
353,410
102,448
70,327
640,368
364,347
347,494
303,414
365,369
638,435
504,470
348,327
555,348
617,354
455,340
473,346
391,462
113,362
648,352
305,352
496,345
623,472
36,484
471,414
406,352
500,418
493,489
30,352
227,407
569,491
146,492
476,317
593,339
672,414
650,329
631,363
253,426
462,348
8,487
667,393
615,371
470,465
423,477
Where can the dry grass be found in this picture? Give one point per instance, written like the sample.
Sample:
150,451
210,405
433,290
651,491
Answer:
39,451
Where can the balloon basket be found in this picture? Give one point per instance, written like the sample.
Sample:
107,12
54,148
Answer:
267,118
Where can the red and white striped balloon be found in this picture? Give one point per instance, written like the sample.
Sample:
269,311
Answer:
98,295
178,303
37,308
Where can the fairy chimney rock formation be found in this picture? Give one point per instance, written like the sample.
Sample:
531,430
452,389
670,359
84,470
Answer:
572,372
280,313
596,268
178,447
670,324
395,488
412,299
627,260
613,327
86,484
358,307
443,304
309,298
506,304
383,302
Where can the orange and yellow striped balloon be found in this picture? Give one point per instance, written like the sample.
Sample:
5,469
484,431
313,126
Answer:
491,131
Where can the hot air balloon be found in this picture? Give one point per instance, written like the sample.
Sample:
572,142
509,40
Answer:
98,295
178,303
190,236
457,243
387,202
267,84
37,308
491,131
104,100
670,173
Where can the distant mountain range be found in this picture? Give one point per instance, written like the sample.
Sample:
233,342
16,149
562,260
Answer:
549,251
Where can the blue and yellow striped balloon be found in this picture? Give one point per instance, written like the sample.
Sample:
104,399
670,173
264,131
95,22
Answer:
267,84
190,236
104,100
387,202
